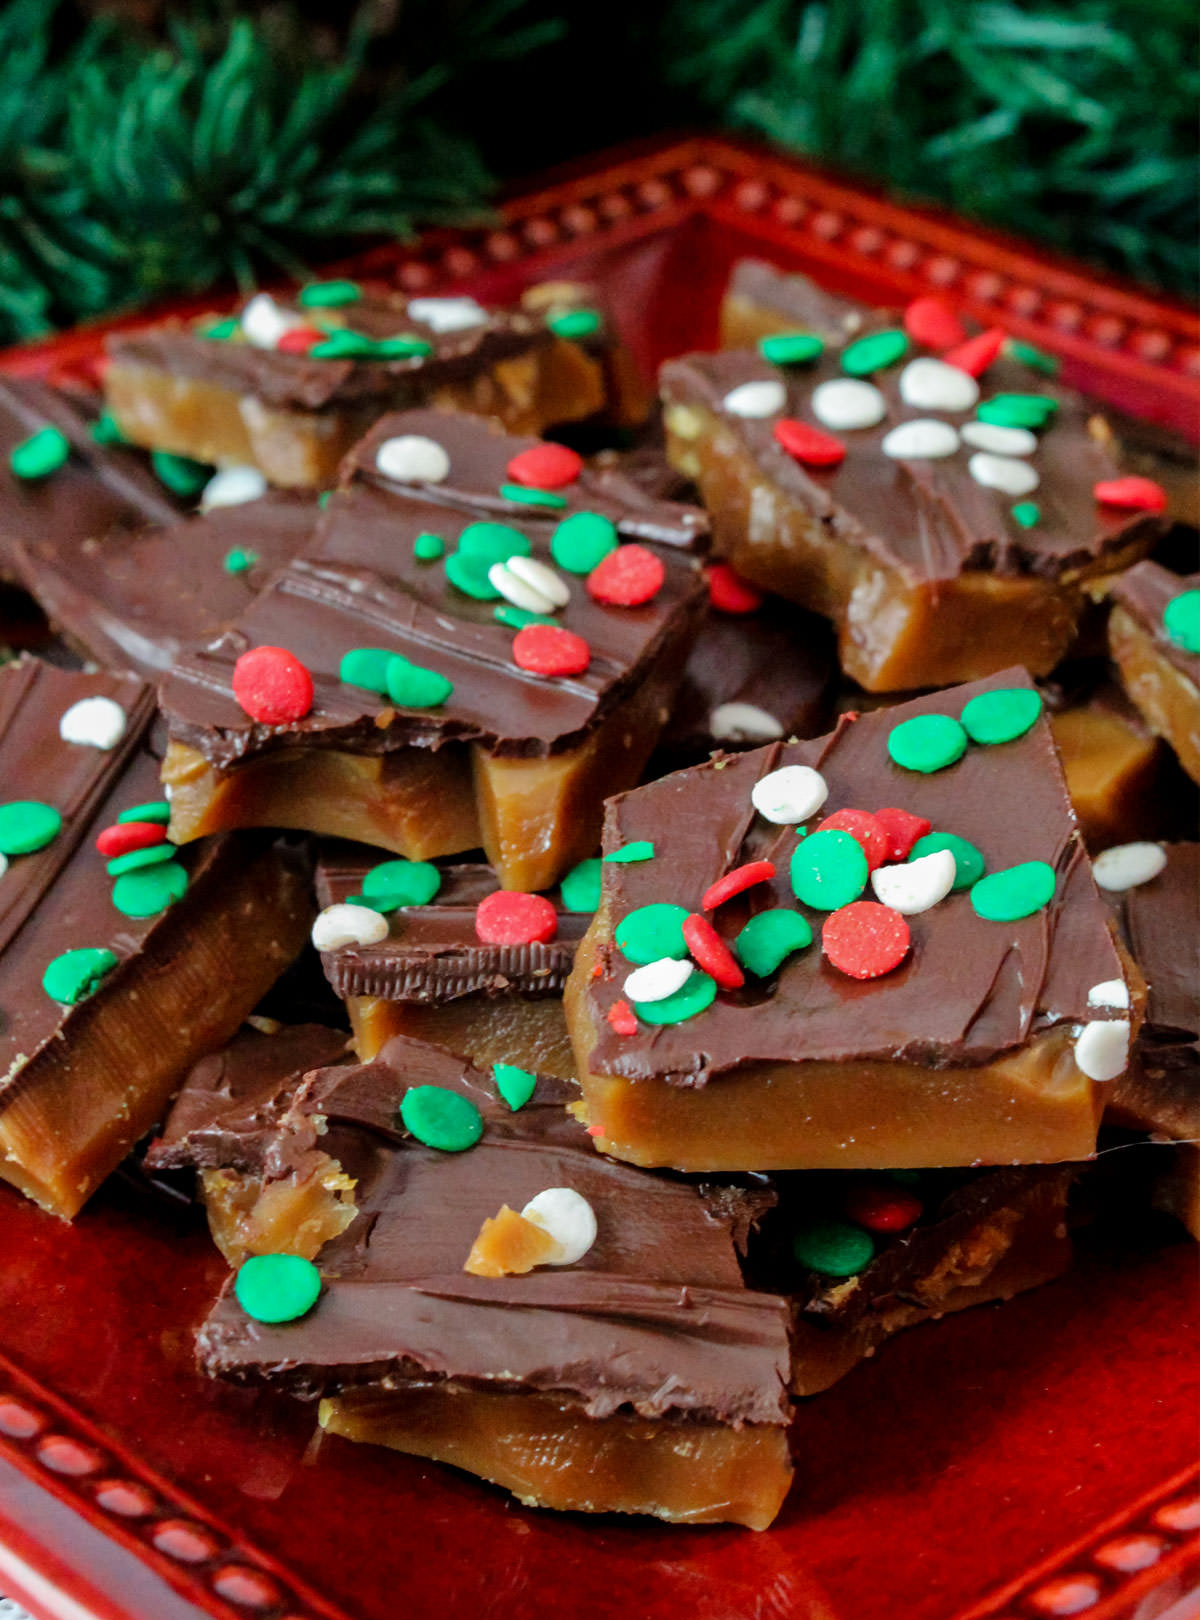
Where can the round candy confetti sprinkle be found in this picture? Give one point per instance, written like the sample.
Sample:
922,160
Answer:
846,404
545,649
920,440
155,810
515,1085
765,396
468,573
768,939
277,1287
569,1219
969,865
1031,411
789,795
829,870
272,686
75,975
927,742
1102,1048
710,952
233,486
509,584
791,348
1181,621
447,314
238,560
300,340
366,667
743,722
575,323
95,722
342,925
932,385
520,495
441,1118
696,996
1001,441
414,687
105,430
621,1021
914,886
977,353
865,940
1109,993
123,837
1026,513
27,825
883,1207
1003,473
933,324
545,466
737,881
657,980
220,331
429,547
1015,892
834,1248
1035,359
509,917
863,827
728,592
145,894
136,860
580,889
582,541
641,849
411,458
809,445
543,579
902,829
1001,716
652,932
1122,867
263,323
328,294
43,453
182,476
628,577
874,352
397,883
1132,494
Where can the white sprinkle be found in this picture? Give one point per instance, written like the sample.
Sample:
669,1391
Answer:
413,459
263,323
569,1219
932,385
96,722
1010,477
657,980
339,926
233,486
542,577
743,722
1001,441
922,440
515,590
789,795
3,864
1125,866
1102,1049
764,398
848,402
447,314
915,886
1110,993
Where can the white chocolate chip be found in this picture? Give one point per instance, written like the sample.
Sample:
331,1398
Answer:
96,722
657,980
915,886
743,722
233,486
447,314
1109,993
1125,866
569,1219
263,323
844,403
1004,473
932,385
766,397
413,459
1102,1048
790,795
922,440
1001,441
342,925
542,578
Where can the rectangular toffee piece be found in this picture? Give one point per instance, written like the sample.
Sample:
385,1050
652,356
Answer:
938,497
1154,634
447,682
880,948
120,965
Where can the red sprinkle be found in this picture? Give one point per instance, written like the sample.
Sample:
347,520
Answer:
903,829
545,466
865,829
865,940
730,593
627,577
809,445
127,836
741,878
977,353
883,1206
509,917
621,1018
300,340
1133,494
598,1130
272,686
931,322
547,649
711,953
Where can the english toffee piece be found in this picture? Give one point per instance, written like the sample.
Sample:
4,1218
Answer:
1154,633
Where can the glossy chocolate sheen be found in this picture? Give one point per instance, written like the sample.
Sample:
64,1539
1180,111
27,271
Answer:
432,953
1144,592
656,1316
969,990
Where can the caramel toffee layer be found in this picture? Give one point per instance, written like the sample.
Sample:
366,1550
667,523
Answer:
1144,593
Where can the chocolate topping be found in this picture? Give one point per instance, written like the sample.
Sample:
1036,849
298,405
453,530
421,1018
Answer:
1144,592
802,303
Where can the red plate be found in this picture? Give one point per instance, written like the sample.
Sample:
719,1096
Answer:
1021,1462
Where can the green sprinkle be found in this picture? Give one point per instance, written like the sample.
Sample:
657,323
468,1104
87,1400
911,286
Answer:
27,825
969,864
414,687
158,810
137,859
343,344
40,455
1027,514
695,995
239,561
182,476
397,883
324,498
75,975
791,348
580,889
927,743
517,618
829,870
146,893
493,542
575,323
641,849
221,331
429,547
469,574
1181,621
834,1248
1016,892
768,939
1035,359
652,932
1000,717
583,540
522,496
441,1118
277,1287
328,294
515,1085
406,347
367,668
874,352
1018,410
104,430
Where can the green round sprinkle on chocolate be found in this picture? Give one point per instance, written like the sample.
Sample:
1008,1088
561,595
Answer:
969,864
768,939
277,1287
73,976
239,561
104,430
366,667
1035,359
874,352
515,1085
829,870
582,541
834,1248
343,344
146,893
158,810
1181,621
1016,892
27,825
43,453
517,618
1000,717
137,859
324,498
697,993
182,476
429,547
328,294
220,331
641,849
441,1118
397,883
580,889
791,348
522,496
1027,513
927,743
405,347
652,932
493,542
575,323
469,575
414,687
1018,410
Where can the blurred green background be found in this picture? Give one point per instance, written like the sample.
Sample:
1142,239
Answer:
150,148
